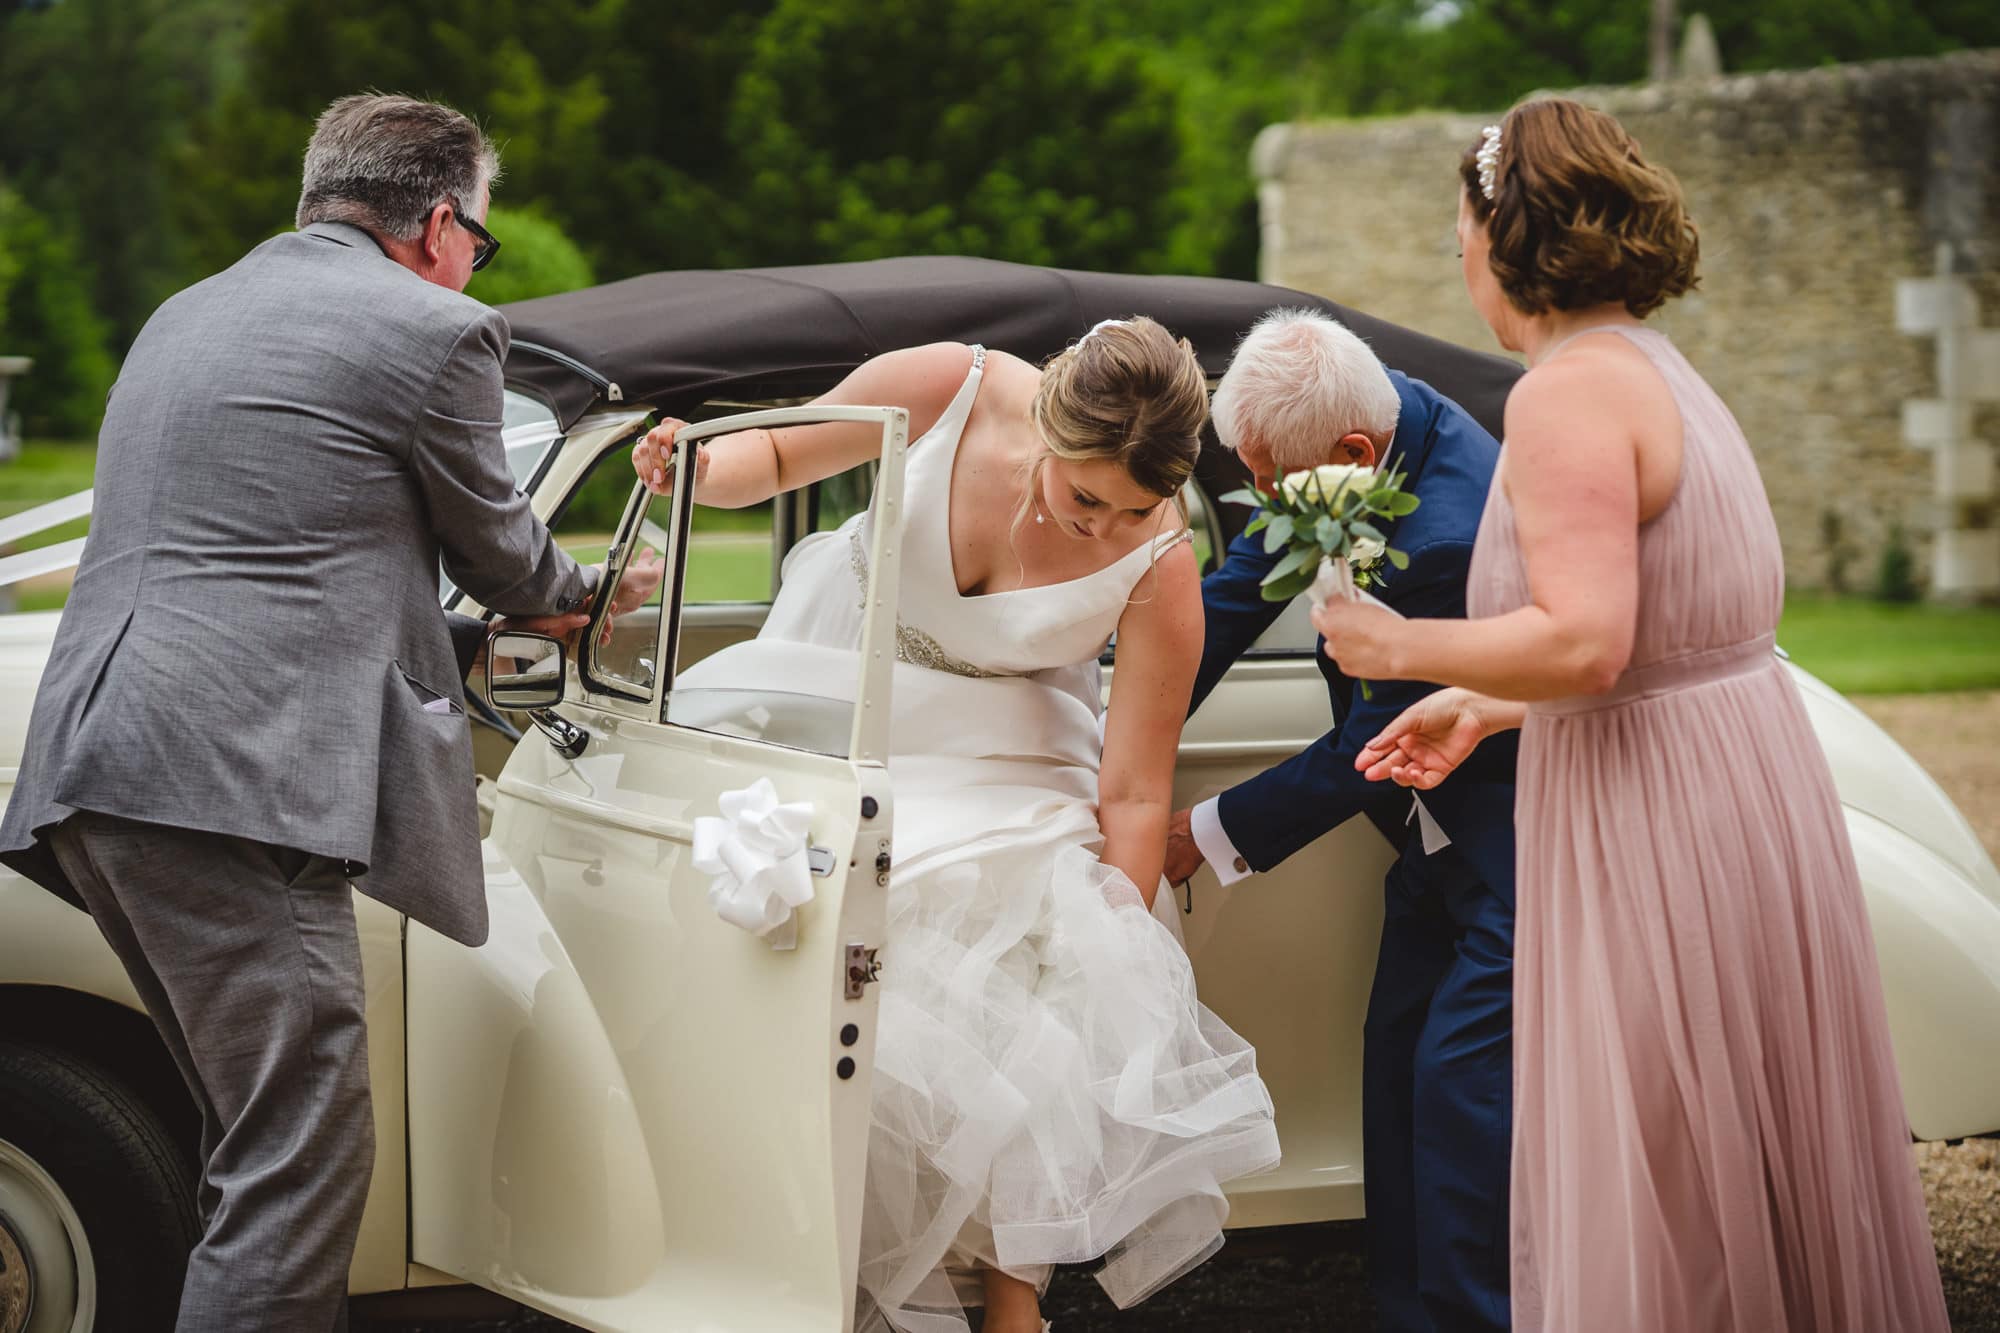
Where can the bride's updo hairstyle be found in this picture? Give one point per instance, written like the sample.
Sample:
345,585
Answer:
1128,392
1576,215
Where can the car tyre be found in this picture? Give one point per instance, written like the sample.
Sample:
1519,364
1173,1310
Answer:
97,1201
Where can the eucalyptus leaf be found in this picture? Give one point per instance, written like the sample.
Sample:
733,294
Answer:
1327,531
1397,558
1294,559
1247,496
1360,528
1278,533
1256,524
1288,587
1403,503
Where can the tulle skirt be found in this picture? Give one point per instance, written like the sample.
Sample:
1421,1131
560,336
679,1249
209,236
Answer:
1048,1088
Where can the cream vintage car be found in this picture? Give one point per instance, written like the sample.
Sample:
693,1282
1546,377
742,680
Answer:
621,1110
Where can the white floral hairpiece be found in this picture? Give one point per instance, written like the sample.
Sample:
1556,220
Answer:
1101,325
1488,158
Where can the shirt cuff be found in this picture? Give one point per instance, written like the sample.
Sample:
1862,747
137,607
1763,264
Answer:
591,576
1205,823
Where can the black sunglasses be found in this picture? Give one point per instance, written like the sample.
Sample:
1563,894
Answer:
489,244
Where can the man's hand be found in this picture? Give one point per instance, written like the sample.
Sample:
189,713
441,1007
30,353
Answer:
1183,857
641,581
562,626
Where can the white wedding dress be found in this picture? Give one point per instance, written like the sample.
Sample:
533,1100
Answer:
1048,1089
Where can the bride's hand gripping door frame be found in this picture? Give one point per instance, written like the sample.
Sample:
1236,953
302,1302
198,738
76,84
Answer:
622,1109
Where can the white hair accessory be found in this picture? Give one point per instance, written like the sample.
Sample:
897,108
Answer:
1101,325
1488,158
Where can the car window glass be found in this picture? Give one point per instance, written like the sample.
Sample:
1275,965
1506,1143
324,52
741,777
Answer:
729,555
730,549
841,497
710,697
623,651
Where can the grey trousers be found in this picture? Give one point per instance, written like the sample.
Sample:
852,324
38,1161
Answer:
246,956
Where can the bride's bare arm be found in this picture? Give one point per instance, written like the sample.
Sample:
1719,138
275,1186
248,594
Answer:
1159,650
751,466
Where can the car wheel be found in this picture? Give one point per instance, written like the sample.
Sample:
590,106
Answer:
97,1206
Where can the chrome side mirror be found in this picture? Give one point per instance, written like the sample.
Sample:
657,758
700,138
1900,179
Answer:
524,671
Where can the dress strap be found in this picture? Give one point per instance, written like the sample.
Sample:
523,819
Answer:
952,424
1585,332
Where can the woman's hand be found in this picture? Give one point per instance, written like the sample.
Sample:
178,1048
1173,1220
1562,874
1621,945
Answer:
1361,636
653,457
1433,736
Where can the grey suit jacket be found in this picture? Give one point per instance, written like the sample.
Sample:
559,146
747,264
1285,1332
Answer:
254,631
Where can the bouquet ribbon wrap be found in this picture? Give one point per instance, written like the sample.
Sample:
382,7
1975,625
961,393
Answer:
1336,580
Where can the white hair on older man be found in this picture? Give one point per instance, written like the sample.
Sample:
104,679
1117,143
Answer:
1300,381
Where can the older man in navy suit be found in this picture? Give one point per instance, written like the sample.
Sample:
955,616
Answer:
1437,1077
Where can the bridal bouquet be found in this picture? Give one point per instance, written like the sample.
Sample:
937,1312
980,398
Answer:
1326,516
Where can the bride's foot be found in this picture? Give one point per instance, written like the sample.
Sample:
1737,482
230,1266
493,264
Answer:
1012,1306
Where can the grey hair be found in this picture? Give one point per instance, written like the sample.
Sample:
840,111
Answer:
1298,382
384,162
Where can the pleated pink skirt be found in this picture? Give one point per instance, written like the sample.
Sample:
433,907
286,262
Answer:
1709,1132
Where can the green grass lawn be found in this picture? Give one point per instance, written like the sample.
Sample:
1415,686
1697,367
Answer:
47,470
1864,647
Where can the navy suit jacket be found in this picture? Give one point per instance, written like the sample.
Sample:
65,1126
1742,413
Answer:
1450,460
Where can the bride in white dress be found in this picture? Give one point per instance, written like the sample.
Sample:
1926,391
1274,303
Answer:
1048,1089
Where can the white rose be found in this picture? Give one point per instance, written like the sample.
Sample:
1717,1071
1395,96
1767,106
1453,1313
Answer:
1326,482
1366,553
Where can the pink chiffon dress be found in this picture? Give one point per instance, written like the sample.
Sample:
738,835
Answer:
1708,1130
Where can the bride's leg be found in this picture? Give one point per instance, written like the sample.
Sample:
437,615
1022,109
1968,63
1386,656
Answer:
1012,1306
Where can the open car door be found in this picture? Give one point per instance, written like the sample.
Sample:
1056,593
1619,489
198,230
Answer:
623,1110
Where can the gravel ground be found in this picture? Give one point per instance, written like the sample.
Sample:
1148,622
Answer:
1312,1280
1957,738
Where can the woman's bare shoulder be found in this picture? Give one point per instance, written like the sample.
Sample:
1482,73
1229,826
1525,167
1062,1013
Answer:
1592,386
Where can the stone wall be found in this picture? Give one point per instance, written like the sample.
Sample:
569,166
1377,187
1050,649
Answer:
1815,191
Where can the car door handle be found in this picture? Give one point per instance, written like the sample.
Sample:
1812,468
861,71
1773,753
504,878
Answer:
567,737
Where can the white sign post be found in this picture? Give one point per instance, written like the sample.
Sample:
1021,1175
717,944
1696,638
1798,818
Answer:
1966,559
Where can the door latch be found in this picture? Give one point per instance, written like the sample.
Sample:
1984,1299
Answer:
862,968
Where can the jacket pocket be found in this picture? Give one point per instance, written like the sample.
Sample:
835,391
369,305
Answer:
428,699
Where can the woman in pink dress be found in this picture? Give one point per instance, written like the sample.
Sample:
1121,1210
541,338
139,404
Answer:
1708,1130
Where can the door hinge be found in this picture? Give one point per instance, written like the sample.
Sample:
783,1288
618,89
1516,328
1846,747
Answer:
862,968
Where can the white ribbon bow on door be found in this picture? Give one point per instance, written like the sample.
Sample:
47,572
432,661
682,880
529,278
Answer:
755,858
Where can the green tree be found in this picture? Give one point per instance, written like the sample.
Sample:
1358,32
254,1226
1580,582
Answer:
46,313
535,259
874,127
93,96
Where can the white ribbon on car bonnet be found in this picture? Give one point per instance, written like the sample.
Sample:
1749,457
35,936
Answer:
755,858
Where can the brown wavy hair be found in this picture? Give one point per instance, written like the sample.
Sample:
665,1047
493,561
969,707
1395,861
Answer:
1578,216
1131,393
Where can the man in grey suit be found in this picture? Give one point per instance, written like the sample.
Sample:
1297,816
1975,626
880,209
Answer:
253,697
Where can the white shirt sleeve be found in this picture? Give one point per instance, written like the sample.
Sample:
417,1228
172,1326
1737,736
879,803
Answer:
1205,823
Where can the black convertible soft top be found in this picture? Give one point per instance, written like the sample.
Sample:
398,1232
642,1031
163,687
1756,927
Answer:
677,340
